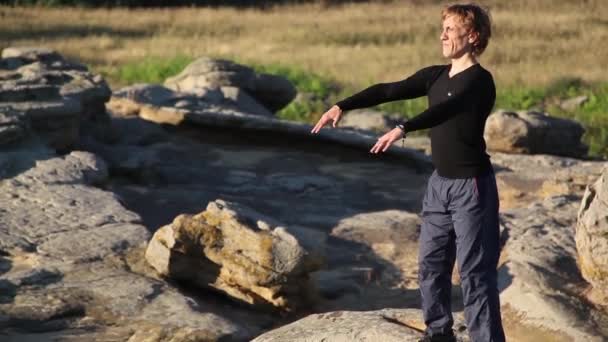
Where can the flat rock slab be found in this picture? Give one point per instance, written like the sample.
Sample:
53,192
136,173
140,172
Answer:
312,183
71,262
390,325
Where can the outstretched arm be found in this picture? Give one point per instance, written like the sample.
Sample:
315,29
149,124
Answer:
409,88
414,86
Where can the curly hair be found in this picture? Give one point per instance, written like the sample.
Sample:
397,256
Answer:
473,17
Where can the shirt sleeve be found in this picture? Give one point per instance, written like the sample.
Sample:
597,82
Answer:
479,92
412,87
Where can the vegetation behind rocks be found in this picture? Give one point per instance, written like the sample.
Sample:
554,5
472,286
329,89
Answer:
541,52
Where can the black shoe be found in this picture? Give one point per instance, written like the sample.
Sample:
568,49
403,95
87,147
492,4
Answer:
447,337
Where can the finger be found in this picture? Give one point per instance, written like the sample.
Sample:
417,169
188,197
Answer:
318,126
388,144
336,120
324,122
381,146
385,145
313,129
373,148
377,147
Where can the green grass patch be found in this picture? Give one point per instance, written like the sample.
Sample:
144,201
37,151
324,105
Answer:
149,70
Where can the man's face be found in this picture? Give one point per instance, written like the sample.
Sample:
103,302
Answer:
455,39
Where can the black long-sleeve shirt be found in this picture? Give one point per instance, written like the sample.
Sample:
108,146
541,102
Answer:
457,113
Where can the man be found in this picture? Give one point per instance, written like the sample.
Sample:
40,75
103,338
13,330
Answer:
460,207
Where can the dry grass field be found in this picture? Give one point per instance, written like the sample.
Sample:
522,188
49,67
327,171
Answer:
534,42
541,52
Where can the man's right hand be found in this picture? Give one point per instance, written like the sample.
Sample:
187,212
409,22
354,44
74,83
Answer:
333,114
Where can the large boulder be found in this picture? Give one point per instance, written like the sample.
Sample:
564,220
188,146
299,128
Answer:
272,91
127,101
48,94
238,251
534,133
592,234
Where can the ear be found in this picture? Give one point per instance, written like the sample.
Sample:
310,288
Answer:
473,37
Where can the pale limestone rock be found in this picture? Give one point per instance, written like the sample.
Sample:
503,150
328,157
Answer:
241,100
273,92
63,268
391,235
534,133
525,179
592,234
574,103
78,167
237,251
126,100
390,325
53,95
539,277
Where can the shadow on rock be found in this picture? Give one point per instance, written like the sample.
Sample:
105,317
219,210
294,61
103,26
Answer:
8,291
329,191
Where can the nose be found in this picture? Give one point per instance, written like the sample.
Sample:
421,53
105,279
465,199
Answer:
442,35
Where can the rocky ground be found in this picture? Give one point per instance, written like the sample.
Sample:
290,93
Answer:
79,212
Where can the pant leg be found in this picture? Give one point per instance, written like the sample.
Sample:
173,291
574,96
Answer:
474,209
437,252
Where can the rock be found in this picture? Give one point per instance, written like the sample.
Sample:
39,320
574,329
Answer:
391,235
273,92
345,326
13,126
525,179
136,131
53,95
76,168
133,99
244,102
225,117
69,258
534,133
58,122
237,251
24,55
574,103
152,94
306,97
538,276
592,234
372,120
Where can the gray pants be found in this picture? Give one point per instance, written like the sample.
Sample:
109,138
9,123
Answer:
460,222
